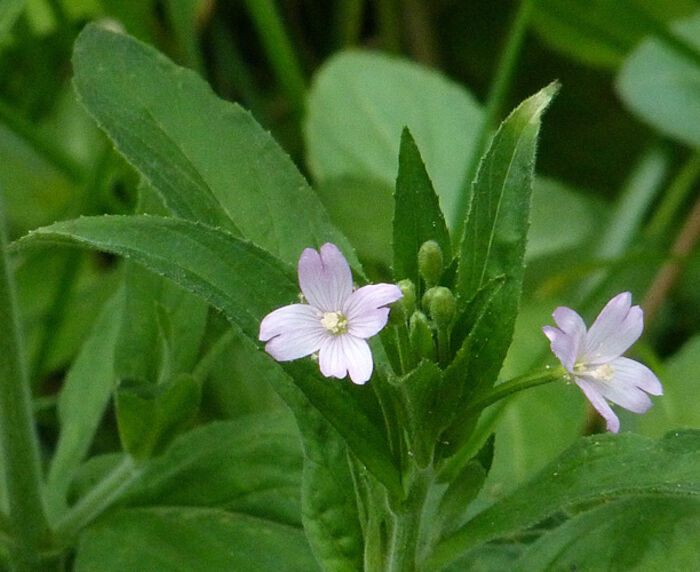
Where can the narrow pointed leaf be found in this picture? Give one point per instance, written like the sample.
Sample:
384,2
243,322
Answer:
597,468
212,162
417,214
162,539
229,273
244,282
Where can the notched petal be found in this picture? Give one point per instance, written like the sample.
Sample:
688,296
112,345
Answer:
325,277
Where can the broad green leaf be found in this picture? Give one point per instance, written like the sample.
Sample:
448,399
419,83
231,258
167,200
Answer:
244,282
231,386
329,501
360,102
183,538
662,85
603,32
600,467
680,378
630,534
251,465
208,158
229,273
351,410
417,215
368,229
84,396
562,219
149,415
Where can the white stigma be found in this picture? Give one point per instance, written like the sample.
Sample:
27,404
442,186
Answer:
335,323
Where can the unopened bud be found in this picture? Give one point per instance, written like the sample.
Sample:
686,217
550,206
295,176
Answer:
421,336
430,262
441,304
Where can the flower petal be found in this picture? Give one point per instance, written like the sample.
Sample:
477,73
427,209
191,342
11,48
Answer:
570,323
288,319
637,374
295,345
359,359
293,332
325,277
364,308
615,329
340,355
592,392
331,358
564,346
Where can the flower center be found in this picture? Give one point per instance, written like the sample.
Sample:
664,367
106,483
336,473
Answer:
335,323
603,372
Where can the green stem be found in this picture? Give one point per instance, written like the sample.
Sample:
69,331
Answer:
515,385
349,21
102,496
389,18
43,145
496,99
279,50
18,439
403,545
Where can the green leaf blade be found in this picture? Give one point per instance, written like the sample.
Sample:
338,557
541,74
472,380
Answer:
597,468
210,159
231,274
417,214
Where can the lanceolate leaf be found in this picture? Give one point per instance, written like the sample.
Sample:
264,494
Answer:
210,160
496,227
231,274
246,283
162,539
417,214
494,238
655,533
597,468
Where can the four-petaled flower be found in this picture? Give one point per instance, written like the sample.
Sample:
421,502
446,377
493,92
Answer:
593,357
336,321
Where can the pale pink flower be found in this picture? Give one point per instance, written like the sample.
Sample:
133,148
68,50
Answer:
335,322
593,357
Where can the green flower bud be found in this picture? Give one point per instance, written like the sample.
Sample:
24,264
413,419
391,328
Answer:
441,304
430,262
421,336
